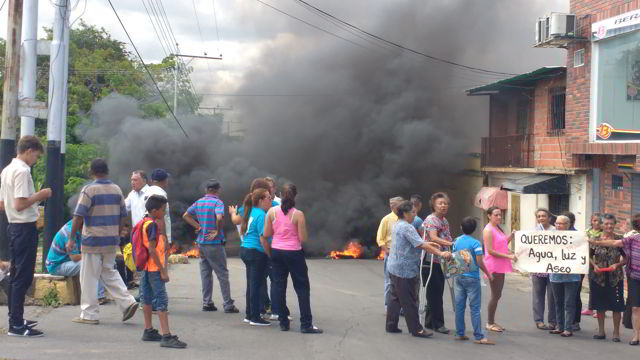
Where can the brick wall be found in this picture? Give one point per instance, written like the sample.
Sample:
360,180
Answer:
579,79
616,202
548,149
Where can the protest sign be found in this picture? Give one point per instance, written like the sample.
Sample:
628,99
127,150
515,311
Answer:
563,252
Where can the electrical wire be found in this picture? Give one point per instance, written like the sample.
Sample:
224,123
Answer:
403,47
312,25
215,19
147,69
2,6
155,30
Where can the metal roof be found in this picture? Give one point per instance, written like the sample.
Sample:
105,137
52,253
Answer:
526,80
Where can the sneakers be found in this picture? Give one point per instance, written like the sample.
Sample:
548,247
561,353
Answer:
246,321
151,335
277,317
30,323
284,327
259,322
24,331
171,341
311,330
80,320
231,310
131,310
209,307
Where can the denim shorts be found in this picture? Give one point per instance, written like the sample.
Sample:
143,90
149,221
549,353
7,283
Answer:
154,289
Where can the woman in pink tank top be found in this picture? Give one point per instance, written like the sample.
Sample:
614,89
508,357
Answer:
498,261
288,228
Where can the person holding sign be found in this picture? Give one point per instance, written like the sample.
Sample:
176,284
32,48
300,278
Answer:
404,267
631,247
565,290
498,261
606,278
540,282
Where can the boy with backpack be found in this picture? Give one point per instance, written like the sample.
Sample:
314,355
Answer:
149,246
469,251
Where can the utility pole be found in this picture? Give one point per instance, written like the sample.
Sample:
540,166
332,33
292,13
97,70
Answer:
10,103
175,73
63,128
29,62
57,85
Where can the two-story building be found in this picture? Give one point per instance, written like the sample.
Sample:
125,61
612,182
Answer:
524,152
568,138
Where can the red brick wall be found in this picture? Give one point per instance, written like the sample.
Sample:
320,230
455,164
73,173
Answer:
548,150
579,79
616,202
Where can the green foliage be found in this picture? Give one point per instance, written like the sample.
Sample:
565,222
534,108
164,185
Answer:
51,298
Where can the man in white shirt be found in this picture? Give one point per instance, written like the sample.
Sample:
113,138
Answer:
136,199
159,185
19,200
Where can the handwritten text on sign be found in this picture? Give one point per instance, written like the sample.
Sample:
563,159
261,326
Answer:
564,252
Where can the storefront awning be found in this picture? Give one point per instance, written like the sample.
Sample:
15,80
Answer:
491,196
538,184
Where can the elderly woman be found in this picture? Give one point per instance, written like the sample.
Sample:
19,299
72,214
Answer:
631,247
404,266
606,278
565,291
540,282
594,231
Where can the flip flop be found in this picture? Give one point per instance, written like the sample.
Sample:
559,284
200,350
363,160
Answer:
556,332
566,334
462,338
542,326
484,341
494,328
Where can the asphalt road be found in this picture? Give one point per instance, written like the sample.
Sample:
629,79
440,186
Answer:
346,303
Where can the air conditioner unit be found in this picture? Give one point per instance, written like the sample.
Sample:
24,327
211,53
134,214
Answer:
561,25
540,30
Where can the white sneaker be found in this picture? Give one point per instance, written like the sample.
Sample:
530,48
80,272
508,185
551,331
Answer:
246,321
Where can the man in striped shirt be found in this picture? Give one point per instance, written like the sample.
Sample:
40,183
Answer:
100,213
206,216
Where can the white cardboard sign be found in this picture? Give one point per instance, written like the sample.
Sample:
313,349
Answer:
562,252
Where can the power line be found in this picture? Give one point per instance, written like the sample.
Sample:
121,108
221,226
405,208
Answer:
312,25
147,69
154,29
3,3
400,46
215,19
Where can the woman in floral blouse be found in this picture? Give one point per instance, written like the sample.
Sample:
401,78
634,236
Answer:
606,287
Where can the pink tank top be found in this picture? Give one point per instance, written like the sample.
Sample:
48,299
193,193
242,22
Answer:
285,232
500,244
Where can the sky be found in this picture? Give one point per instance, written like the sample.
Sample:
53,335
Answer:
246,29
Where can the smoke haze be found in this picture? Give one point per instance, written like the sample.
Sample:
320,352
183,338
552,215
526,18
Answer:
353,126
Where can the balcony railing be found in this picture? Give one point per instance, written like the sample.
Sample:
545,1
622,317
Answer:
507,151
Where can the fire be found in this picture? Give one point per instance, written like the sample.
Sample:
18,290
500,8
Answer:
353,250
194,252
380,256
173,249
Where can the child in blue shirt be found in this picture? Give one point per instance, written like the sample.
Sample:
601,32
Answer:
468,284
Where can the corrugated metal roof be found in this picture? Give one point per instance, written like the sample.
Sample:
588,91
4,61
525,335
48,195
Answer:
520,81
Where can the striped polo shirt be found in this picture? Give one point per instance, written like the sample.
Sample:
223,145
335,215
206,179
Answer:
205,211
101,205
57,252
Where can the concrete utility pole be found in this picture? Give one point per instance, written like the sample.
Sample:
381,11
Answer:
10,103
175,73
29,62
57,85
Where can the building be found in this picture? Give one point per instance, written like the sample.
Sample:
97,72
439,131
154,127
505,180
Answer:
580,122
523,153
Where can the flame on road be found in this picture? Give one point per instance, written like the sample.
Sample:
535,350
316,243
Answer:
353,250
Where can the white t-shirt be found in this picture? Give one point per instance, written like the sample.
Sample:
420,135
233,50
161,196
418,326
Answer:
16,182
157,190
135,204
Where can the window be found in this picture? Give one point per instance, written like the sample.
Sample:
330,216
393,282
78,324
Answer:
556,108
578,58
558,203
616,99
524,108
617,182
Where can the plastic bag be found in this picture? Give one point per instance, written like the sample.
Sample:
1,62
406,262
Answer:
128,257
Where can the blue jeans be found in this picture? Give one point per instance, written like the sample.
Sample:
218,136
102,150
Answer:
256,263
468,287
72,268
387,284
154,290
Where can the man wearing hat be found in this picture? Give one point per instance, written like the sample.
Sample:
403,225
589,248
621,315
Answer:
159,185
206,216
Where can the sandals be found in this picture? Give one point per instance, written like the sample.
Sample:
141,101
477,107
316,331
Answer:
484,341
495,328
556,332
615,339
634,342
542,326
567,334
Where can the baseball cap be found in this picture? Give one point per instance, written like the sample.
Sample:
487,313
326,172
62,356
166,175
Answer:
159,174
212,184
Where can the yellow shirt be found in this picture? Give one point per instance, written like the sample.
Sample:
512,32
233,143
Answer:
384,230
